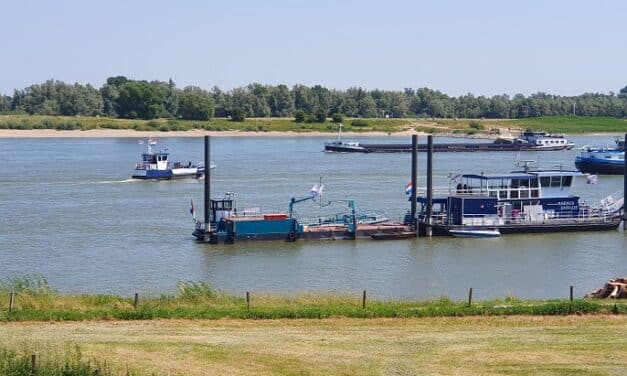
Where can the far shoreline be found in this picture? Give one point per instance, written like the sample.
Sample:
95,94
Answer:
131,133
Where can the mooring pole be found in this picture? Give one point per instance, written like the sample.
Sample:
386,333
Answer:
429,184
207,184
625,184
414,178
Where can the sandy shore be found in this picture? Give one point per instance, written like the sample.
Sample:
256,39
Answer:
130,133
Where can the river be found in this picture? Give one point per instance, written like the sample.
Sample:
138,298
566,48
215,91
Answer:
70,212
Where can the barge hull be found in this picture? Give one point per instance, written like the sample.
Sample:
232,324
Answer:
453,147
536,228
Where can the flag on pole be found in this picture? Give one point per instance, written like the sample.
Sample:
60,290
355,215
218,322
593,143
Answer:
408,189
192,210
317,190
456,179
152,141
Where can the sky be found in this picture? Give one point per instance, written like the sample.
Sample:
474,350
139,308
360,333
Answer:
457,47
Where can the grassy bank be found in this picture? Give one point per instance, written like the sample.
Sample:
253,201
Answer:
61,123
520,345
562,124
35,300
169,334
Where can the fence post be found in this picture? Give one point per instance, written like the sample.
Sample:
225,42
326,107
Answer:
248,300
11,300
571,293
136,300
469,297
33,363
363,300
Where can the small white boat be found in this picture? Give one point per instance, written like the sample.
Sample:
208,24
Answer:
475,233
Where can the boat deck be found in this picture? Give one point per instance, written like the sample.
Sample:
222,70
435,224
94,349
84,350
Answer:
341,232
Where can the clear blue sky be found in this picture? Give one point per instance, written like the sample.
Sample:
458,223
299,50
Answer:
482,47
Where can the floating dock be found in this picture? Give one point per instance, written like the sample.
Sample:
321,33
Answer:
223,223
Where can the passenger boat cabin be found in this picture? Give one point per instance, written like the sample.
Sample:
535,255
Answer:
532,196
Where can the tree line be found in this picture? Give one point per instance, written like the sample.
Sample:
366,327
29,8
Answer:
122,97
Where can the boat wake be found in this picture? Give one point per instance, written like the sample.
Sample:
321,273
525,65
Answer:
116,181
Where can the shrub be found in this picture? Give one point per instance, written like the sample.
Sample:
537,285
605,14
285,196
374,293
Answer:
300,116
321,116
337,118
359,123
164,128
238,115
476,125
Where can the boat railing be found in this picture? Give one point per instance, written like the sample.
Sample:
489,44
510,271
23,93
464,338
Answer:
584,214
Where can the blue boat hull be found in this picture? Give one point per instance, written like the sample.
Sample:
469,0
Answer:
597,166
166,175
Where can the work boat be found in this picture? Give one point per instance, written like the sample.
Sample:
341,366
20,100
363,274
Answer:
604,160
531,200
156,166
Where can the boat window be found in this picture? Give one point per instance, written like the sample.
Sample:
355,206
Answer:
515,183
556,181
524,193
492,194
545,181
535,193
502,194
514,194
567,181
533,183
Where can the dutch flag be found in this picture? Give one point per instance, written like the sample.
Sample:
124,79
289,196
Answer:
408,189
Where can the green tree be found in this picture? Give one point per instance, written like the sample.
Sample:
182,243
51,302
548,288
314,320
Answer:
140,99
195,104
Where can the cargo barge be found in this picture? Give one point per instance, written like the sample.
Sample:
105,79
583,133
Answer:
528,141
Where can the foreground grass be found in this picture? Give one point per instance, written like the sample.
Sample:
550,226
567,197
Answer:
520,345
35,300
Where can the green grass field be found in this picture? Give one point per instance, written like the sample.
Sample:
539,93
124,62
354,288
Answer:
199,331
482,345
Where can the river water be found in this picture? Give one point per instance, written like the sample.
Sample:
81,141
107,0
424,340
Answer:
69,211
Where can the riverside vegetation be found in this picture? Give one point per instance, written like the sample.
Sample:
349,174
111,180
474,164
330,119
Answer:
123,97
563,124
35,300
507,336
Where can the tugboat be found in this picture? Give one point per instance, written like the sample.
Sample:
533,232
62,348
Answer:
156,166
605,160
527,201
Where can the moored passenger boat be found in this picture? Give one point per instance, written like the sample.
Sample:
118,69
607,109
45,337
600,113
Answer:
525,201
